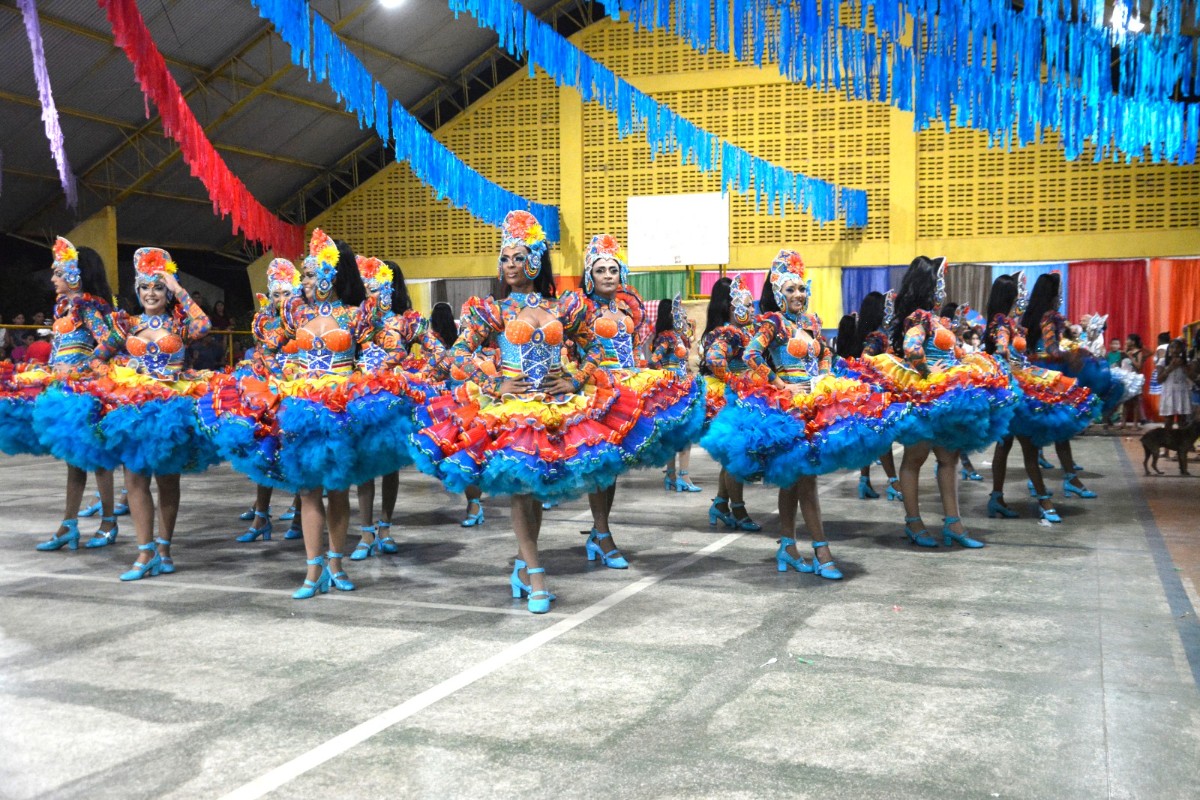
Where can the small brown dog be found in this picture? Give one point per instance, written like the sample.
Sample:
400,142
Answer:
1180,440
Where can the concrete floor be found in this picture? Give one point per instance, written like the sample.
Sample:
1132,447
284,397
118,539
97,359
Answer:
1056,663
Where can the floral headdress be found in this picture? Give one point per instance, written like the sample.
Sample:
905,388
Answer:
377,277
889,310
741,301
150,264
522,229
787,267
1022,294
324,260
603,245
66,258
282,275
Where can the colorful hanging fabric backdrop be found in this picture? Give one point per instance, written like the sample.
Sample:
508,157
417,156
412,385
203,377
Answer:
230,196
54,134
316,47
661,285
858,282
1117,288
1174,294
753,279
1035,269
968,283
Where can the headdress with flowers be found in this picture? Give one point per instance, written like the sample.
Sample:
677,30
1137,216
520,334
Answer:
787,267
741,301
324,261
282,276
522,229
1022,300
939,296
602,246
150,264
377,277
679,317
66,258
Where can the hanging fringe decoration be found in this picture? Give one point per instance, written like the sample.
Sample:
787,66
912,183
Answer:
525,36
977,63
229,195
317,48
33,29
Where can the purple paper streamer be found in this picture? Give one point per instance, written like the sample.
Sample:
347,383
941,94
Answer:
49,113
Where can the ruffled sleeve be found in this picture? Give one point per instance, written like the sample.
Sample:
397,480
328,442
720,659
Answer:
480,322
576,314
916,331
724,344
766,330
194,323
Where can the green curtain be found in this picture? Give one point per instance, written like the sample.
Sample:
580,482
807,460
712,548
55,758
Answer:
659,285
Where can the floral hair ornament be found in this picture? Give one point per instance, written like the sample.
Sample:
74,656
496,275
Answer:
521,229
889,310
66,258
378,277
788,267
679,318
282,276
603,246
324,255
939,294
150,264
741,301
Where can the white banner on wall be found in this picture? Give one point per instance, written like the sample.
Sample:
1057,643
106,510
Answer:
678,230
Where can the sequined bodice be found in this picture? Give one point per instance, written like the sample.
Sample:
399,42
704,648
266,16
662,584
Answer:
615,336
531,347
72,344
331,351
939,347
797,359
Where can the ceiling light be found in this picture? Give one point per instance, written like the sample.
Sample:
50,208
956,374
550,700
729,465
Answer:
391,3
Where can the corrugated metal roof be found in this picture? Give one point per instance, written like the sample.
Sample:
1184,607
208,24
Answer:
411,49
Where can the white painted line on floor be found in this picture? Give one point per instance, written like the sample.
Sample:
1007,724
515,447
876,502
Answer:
293,769
340,597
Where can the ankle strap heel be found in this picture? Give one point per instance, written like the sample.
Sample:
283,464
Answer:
141,570
784,559
920,538
949,536
827,569
310,587
69,539
539,599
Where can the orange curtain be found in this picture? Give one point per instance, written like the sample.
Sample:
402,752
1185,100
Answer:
1174,293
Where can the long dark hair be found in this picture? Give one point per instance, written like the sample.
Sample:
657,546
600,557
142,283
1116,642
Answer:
543,284
348,283
401,302
766,299
718,306
93,279
847,343
1000,302
916,293
948,310
870,318
1041,300
441,320
664,322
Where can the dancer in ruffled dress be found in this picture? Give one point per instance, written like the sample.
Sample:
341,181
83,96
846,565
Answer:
64,419
670,350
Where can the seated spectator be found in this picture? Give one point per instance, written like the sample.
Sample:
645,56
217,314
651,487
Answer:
39,318
208,353
220,320
39,350
22,339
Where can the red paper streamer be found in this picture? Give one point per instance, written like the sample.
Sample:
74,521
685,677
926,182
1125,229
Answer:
229,195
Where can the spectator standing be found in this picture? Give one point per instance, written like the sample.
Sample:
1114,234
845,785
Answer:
1134,359
220,320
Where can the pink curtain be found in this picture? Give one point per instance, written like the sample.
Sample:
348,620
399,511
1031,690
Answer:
1120,289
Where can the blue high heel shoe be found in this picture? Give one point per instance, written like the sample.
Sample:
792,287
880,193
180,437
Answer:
920,538
715,514
121,509
1070,488
865,490
263,530
288,515
319,586
471,520
744,523
104,538
384,539
70,538
341,581
970,475
546,506
893,492
682,484
827,570
249,513
1029,486
612,559
364,550
539,600
949,536
520,588
151,567
167,564
995,508
1042,462
294,531
784,559
1048,514
93,509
